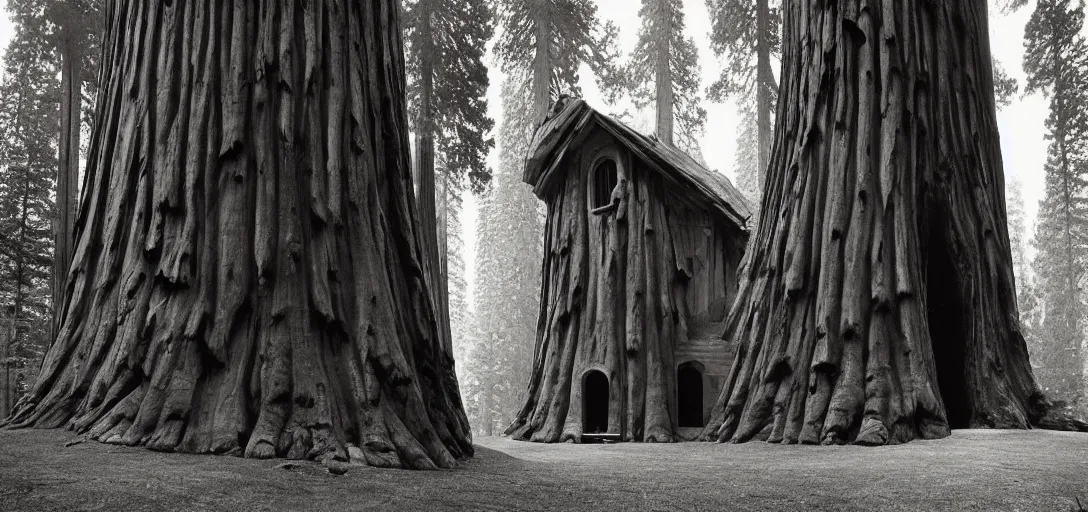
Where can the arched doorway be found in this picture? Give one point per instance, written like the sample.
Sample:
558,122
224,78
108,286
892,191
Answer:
947,329
689,395
594,402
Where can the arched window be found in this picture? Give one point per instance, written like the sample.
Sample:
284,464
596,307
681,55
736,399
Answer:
604,181
689,394
594,403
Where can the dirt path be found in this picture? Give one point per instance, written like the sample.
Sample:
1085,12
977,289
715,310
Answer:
972,470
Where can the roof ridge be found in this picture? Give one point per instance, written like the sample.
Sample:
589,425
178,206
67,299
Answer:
568,117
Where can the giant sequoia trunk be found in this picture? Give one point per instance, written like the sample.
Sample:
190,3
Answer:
877,303
425,174
68,169
247,275
664,95
764,77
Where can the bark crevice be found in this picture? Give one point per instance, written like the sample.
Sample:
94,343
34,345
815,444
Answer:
881,269
248,275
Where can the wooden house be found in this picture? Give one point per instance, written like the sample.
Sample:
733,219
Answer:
642,245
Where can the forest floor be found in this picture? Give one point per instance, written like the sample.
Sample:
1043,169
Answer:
971,470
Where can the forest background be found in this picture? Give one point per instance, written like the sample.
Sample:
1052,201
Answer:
494,344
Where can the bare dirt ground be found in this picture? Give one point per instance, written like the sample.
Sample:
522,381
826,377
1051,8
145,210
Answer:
972,470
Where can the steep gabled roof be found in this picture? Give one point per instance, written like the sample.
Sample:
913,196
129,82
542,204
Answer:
571,120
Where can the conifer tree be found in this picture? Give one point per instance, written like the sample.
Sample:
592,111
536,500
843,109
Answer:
25,261
540,48
664,72
75,28
461,318
1005,86
544,42
746,35
507,271
1019,239
1055,61
445,44
28,135
746,157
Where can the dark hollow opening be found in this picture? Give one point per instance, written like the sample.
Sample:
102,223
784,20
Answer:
946,323
595,400
604,181
689,391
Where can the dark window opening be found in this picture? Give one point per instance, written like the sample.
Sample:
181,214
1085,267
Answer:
947,331
595,403
604,181
689,399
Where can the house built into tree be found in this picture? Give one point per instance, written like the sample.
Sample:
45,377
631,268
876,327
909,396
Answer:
641,249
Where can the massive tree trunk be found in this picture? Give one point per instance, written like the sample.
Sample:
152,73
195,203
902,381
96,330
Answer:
542,65
67,170
764,79
663,73
247,275
877,302
425,172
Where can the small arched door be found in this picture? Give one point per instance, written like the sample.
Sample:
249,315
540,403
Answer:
594,403
689,391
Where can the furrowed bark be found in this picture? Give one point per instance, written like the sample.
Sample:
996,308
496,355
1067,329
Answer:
67,171
248,275
619,291
426,193
663,87
542,66
764,82
877,302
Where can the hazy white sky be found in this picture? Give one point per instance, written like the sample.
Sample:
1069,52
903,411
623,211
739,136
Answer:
1021,124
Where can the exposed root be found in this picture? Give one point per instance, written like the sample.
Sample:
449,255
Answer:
876,302
247,278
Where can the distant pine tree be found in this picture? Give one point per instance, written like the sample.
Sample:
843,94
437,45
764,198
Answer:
664,72
28,162
1005,87
461,318
447,83
1055,62
541,47
746,36
75,28
1019,239
507,276
52,39
746,157
546,41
